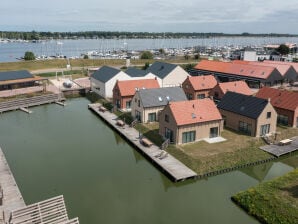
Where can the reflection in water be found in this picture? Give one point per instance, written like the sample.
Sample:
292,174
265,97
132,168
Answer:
119,140
138,157
291,161
258,172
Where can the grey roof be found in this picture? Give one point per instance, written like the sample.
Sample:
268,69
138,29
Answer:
134,72
161,96
105,73
161,69
248,106
13,75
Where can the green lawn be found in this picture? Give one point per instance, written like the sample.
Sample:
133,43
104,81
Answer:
272,202
61,63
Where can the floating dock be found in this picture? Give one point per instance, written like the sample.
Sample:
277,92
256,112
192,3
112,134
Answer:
11,195
173,167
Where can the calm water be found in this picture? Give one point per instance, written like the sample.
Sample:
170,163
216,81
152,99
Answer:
72,48
70,151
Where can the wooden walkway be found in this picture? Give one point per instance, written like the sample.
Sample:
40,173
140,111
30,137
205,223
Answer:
30,102
12,198
173,167
279,150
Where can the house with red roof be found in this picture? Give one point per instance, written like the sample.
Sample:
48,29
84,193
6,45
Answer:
284,102
198,87
190,121
222,88
254,75
124,91
287,71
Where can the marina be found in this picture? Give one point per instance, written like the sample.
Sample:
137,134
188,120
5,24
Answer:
105,180
173,167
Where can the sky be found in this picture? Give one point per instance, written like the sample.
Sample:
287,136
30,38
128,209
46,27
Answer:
227,16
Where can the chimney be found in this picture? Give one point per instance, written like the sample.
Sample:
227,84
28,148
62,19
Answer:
269,99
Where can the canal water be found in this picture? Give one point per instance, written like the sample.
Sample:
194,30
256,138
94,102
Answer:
69,150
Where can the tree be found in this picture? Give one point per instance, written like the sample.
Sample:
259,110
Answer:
162,51
146,66
146,55
86,56
29,56
197,56
283,49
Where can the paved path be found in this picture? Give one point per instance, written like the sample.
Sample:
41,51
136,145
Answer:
12,198
173,167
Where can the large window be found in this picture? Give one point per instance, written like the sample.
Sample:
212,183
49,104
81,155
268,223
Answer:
268,115
151,117
189,136
265,129
281,119
245,127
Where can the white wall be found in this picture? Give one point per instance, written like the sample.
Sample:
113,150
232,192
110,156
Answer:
250,56
175,78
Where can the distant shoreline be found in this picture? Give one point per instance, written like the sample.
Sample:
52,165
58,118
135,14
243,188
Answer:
41,35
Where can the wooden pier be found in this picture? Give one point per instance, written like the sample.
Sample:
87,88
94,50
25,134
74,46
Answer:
284,147
173,167
24,103
11,195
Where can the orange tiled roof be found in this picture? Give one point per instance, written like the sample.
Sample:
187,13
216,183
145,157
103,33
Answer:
236,86
279,98
255,71
282,68
202,82
194,111
295,65
128,87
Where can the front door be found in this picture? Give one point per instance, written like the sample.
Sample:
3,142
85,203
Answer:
169,134
213,132
138,115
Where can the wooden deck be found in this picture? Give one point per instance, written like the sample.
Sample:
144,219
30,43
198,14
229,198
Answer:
280,149
12,198
173,167
24,103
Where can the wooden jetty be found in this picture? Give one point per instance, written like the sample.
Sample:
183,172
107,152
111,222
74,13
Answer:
11,195
17,104
50,211
173,167
25,110
284,147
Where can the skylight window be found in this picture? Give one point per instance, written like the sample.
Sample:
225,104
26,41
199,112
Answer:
160,99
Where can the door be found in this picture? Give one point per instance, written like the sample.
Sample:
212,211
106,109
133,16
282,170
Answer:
169,134
213,132
265,129
138,115
128,104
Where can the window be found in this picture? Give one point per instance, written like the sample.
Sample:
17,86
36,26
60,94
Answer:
201,96
282,119
136,100
245,127
189,96
189,136
268,115
166,118
118,105
139,103
128,104
151,117
215,94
